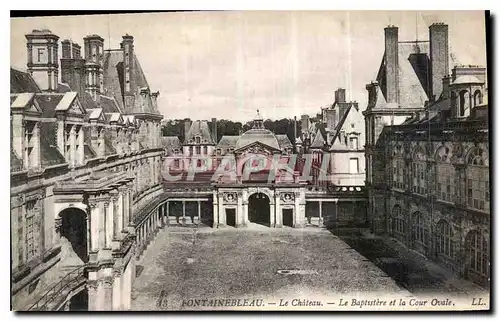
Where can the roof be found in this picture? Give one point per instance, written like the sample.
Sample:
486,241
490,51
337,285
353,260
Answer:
413,74
22,82
94,113
199,128
283,141
109,104
22,100
48,103
467,79
63,88
66,101
49,153
170,143
113,78
260,135
226,142
318,141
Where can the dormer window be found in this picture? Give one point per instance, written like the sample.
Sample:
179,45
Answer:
231,150
219,151
197,139
464,104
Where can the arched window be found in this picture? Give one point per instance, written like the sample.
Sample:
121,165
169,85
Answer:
444,244
398,165
478,181
420,232
464,109
478,98
398,224
446,184
419,182
477,258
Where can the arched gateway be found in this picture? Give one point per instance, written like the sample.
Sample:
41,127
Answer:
259,209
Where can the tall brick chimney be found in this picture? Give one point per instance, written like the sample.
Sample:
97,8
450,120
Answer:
129,87
340,95
187,126
93,49
330,119
438,37
72,66
304,122
214,130
391,64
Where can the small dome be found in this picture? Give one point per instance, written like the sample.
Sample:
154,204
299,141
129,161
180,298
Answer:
261,135
467,79
258,134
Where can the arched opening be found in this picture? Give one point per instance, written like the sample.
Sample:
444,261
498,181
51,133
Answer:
73,232
477,258
444,239
80,301
463,110
397,224
420,233
259,209
478,98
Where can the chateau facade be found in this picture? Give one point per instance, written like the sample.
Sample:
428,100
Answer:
85,163
428,174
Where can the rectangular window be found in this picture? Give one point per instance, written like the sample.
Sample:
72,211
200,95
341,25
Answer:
198,150
353,165
31,230
353,143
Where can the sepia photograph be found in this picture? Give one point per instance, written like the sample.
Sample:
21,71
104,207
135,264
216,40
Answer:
250,161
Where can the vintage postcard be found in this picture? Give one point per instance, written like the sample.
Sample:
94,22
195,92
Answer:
250,161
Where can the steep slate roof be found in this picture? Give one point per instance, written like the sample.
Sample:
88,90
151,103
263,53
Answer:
170,143
319,140
49,153
22,82
226,142
413,68
22,100
113,78
199,128
109,105
63,88
283,141
48,103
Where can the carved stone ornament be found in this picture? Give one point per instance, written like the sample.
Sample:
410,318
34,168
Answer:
287,197
230,197
458,150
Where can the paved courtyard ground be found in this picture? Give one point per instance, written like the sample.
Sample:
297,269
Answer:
184,264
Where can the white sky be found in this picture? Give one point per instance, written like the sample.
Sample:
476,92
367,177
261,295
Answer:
228,64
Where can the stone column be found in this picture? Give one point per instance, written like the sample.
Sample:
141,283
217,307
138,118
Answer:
239,211
320,221
198,218
117,217
94,300
109,221
183,212
278,211
244,196
167,216
272,213
222,212
72,140
117,291
94,226
103,205
80,151
215,212
107,293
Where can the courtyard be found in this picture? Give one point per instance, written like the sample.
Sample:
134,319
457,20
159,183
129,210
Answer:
183,267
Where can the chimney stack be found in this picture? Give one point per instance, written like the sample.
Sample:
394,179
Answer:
187,126
438,37
72,67
446,86
330,119
304,123
93,49
340,95
391,64
43,63
214,130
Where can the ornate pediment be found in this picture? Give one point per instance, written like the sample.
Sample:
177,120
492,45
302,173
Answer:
287,197
257,148
230,197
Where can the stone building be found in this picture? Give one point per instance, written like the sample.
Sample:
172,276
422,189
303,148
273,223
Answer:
338,133
265,183
428,175
85,166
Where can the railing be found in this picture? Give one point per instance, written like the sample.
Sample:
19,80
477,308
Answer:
53,293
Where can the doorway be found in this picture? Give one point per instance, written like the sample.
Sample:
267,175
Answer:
287,217
258,209
231,217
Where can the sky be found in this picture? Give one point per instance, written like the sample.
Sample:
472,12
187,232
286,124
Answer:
284,63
